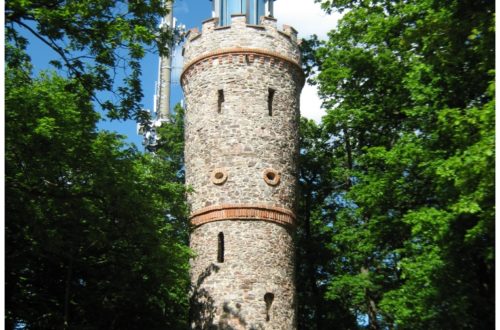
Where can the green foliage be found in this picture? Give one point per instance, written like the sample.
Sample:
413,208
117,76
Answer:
409,142
95,231
95,42
171,144
93,234
315,261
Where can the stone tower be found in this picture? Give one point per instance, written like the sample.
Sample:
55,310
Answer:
242,84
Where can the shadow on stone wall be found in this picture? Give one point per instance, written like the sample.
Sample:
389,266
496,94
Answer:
202,305
203,310
231,319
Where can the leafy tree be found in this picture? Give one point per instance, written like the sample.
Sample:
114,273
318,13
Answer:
170,153
314,259
171,143
95,232
96,42
92,237
410,122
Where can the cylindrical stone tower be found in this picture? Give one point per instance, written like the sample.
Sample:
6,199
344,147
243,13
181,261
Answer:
242,85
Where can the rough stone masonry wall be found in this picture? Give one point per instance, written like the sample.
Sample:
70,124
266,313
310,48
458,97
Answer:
258,259
265,36
241,161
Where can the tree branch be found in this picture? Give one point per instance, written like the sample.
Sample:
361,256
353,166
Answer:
77,74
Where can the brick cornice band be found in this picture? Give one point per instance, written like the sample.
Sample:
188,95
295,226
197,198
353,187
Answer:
261,212
240,51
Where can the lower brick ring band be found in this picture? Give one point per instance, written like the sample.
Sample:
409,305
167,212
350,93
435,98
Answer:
279,215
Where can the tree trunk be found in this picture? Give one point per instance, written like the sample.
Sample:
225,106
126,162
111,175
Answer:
67,294
311,272
371,306
9,324
348,149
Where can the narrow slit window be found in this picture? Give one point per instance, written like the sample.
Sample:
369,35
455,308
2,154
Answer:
268,298
220,248
270,98
220,100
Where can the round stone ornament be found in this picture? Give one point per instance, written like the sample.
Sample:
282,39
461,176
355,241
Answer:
218,176
271,177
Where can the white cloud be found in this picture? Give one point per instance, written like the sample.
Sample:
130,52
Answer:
307,18
310,103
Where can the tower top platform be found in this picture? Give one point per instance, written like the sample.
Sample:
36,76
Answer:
252,9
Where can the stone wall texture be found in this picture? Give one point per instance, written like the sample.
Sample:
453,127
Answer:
258,258
242,86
